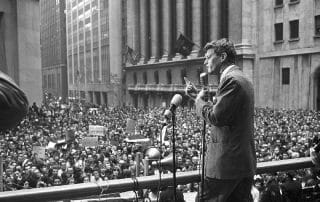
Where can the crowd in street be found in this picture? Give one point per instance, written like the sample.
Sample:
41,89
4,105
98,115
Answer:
279,134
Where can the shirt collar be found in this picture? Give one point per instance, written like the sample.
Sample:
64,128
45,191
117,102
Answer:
225,72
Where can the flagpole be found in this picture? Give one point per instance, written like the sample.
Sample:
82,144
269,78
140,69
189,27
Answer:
1,174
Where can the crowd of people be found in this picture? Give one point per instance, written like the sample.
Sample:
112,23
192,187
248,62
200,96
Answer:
279,134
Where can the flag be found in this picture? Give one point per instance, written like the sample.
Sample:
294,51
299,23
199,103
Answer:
184,45
132,56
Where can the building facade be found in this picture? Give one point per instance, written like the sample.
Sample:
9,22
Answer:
277,44
152,30
54,48
94,61
20,45
287,73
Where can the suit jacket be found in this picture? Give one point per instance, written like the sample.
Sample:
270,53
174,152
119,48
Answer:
292,190
13,103
230,150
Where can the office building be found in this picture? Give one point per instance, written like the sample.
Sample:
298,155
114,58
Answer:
53,48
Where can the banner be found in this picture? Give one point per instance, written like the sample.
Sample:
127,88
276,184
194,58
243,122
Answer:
96,130
40,151
89,141
131,125
163,134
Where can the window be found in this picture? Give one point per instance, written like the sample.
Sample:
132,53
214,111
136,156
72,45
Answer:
279,2
294,29
278,27
294,1
285,76
169,78
156,77
317,25
145,78
134,78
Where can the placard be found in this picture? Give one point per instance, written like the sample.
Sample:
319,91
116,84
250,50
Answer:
131,125
89,141
40,151
96,130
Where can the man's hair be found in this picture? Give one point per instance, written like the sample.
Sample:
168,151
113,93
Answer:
223,45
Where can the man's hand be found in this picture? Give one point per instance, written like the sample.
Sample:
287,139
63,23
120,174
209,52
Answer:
203,94
190,89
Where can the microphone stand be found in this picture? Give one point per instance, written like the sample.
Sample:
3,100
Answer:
174,156
203,150
203,157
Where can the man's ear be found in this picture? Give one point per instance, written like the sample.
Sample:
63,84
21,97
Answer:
223,56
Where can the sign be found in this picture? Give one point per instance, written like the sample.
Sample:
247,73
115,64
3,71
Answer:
131,125
96,130
40,151
89,141
144,142
163,134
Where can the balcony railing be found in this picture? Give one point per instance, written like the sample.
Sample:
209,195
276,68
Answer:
163,88
122,185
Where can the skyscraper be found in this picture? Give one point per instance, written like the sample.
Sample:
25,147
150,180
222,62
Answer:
53,48
94,61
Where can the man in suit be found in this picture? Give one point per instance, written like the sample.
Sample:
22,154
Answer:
230,156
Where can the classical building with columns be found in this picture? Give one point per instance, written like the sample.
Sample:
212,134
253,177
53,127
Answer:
277,44
152,30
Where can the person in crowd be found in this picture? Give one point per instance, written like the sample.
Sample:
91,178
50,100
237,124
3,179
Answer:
230,156
272,192
291,188
167,194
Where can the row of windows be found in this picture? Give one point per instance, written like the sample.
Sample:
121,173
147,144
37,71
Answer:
183,73
294,29
52,81
285,76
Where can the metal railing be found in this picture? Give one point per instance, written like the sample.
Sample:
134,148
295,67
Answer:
164,87
129,184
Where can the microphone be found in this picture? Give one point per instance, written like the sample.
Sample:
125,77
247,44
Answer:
204,79
175,102
204,83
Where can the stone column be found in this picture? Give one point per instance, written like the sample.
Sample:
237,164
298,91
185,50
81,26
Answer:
136,25
196,26
115,45
166,26
241,31
215,19
130,22
181,18
143,30
155,31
